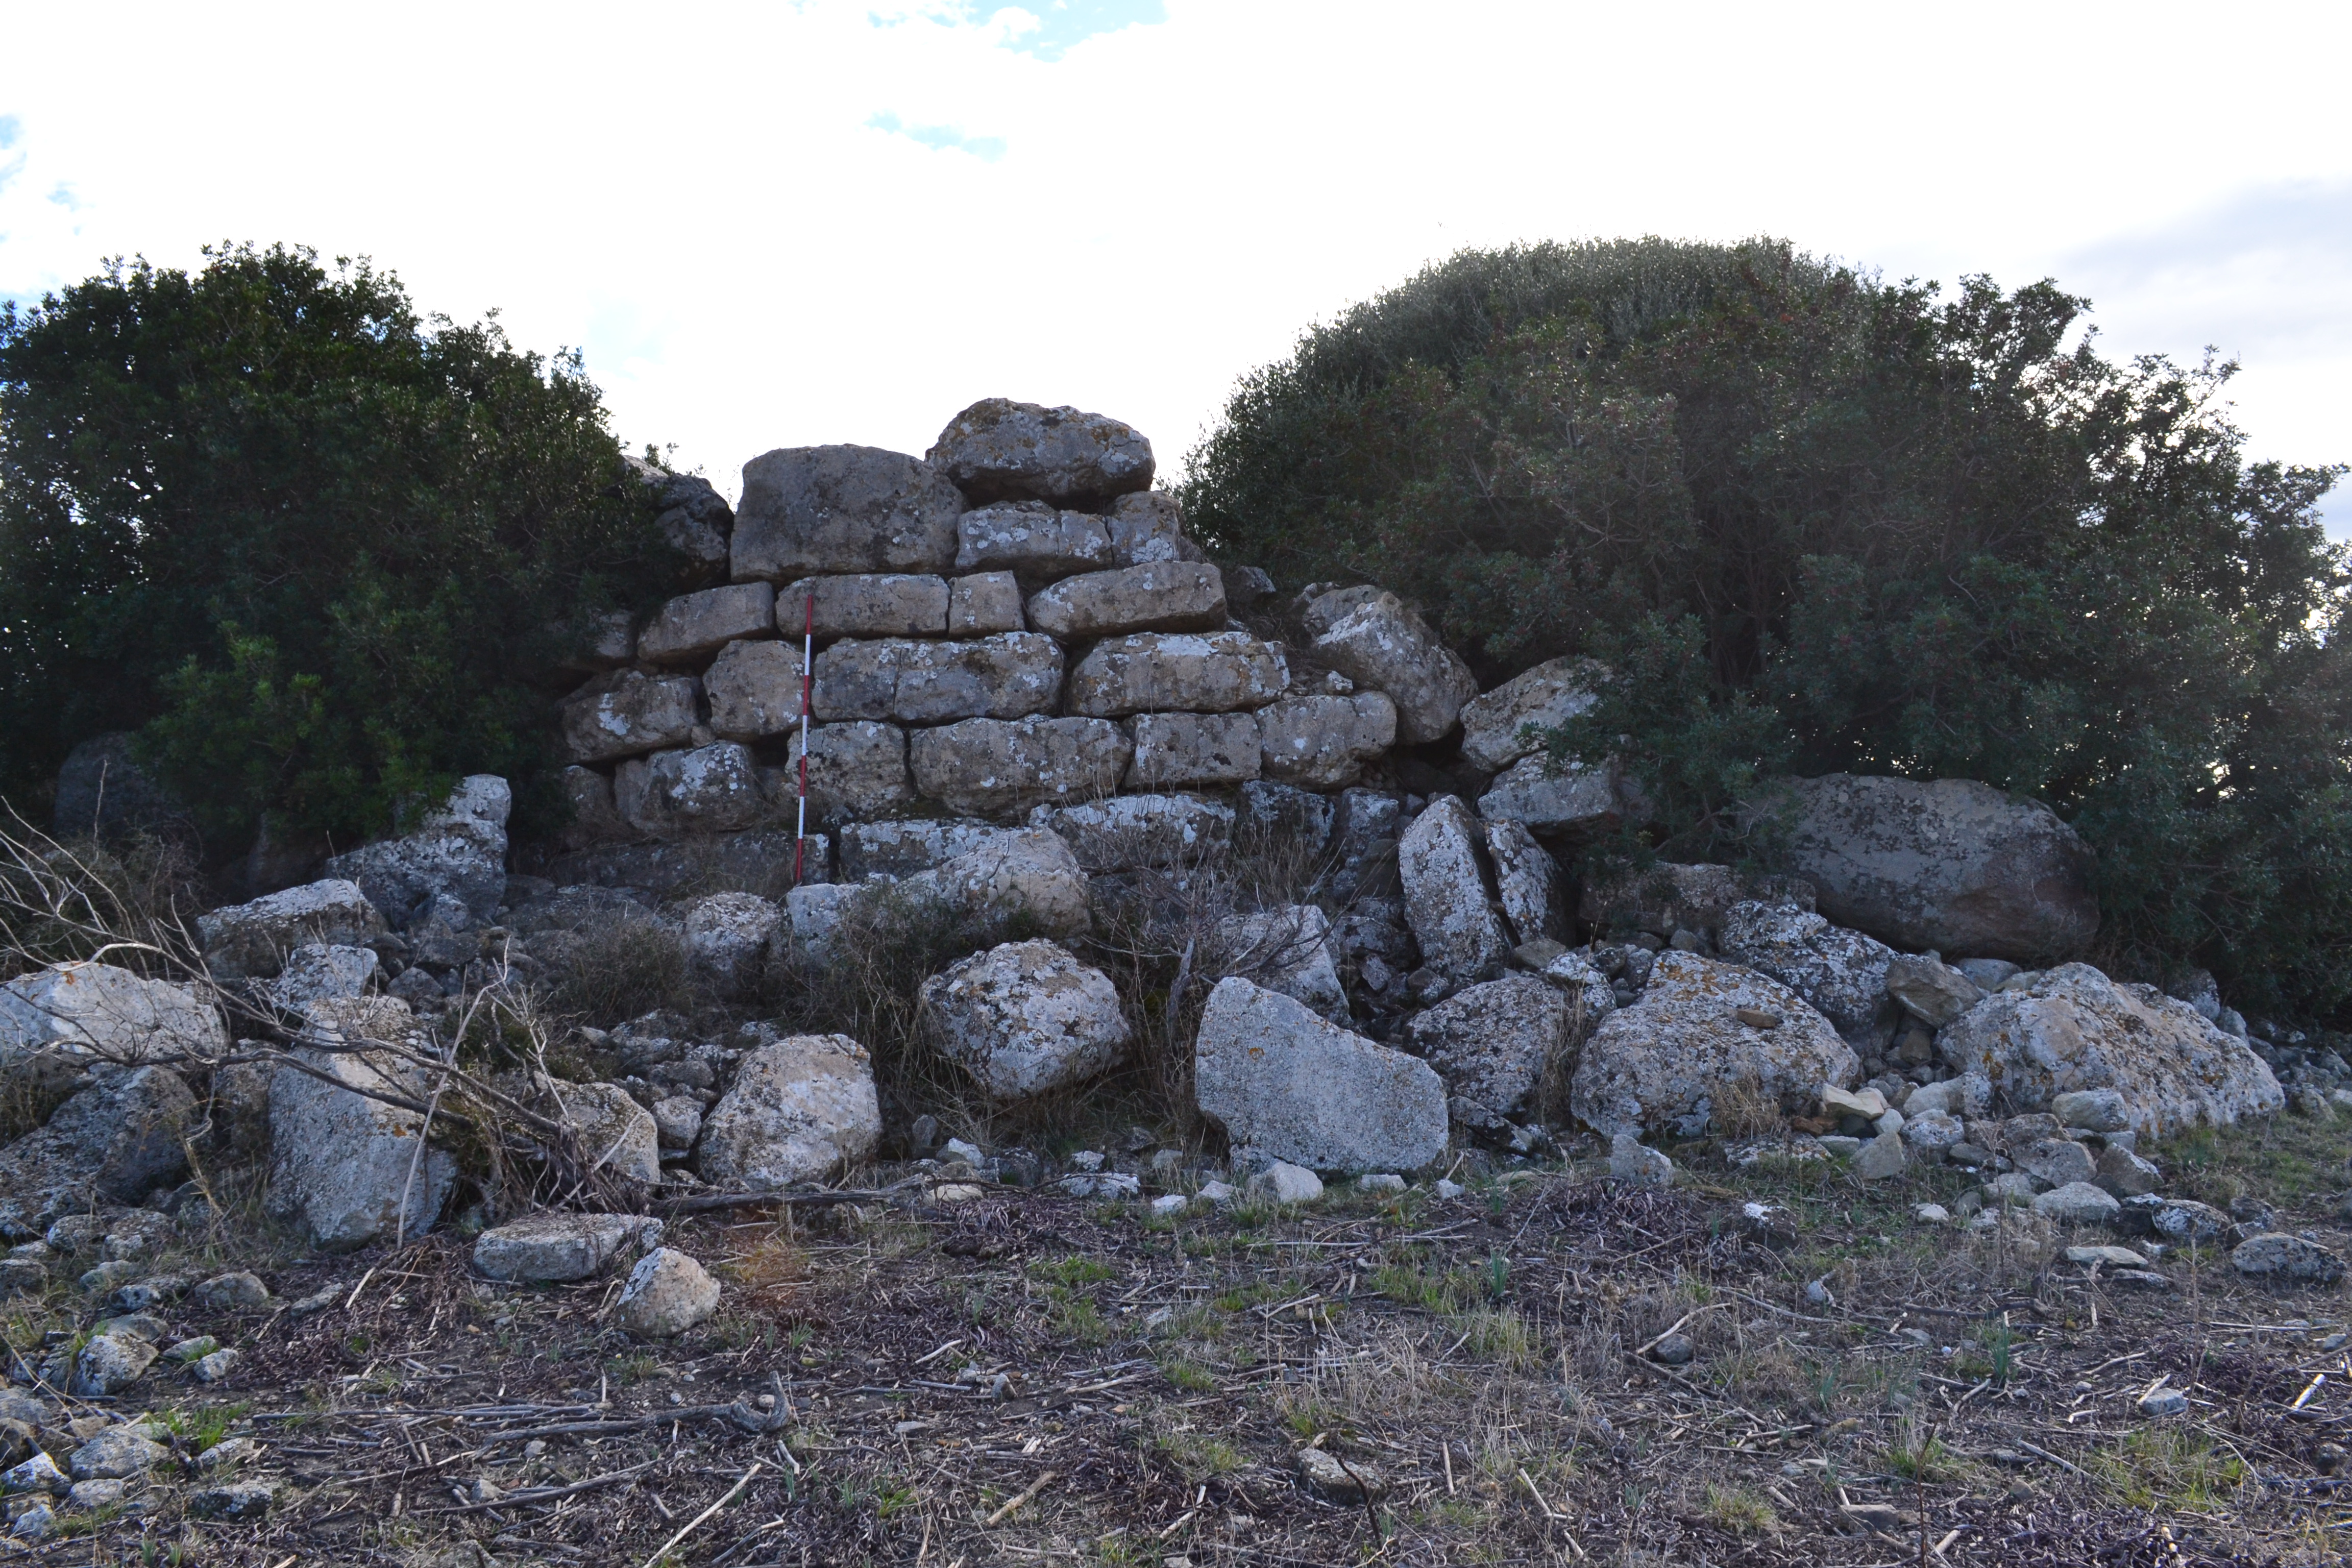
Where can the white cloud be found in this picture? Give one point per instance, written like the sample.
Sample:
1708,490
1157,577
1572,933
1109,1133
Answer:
702,198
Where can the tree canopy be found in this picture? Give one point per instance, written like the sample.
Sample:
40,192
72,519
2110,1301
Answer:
1815,521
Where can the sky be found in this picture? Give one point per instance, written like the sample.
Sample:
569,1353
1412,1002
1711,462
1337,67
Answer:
786,223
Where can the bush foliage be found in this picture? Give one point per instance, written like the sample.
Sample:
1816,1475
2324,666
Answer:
302,539
1819,522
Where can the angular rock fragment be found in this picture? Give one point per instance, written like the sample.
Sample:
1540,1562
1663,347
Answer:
1493,1043
799,1108
1001,449
558,1247
1027,1018
1842,972
667,1293
1461,933
459,852
1284,1081
1382,645
1495,724
252,940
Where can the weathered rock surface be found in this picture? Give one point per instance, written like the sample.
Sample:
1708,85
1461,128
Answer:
754,690
1547,697
858,769
1323,742
2276,1255
865,605
627,713
1953,864
1131,832
1631,1160
316,972
998,449
1491,1043
757,860
893,850
554,1247
101,1010
1034,540
1007,676
2075,1202
1571,797
253,940
1027,1018
711,789
1148,525
120,1135
728,938
616,1133
1282,1081
2180,1220
1663,1064
1287,949
1382,645
1930,991
693,626
667,1293
1670,897
118,1453
341,1162
458,852
1191,751
982,603
111,1363
1842,972
691,514
2072,1028
995,767
103,791
1028,878
1454,918
799,1108
1157,596
1214,672
809,509
1530,881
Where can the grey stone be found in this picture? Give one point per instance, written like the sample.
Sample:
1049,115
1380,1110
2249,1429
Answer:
1365,827
1933,1132
1132,832
728,938
667,1293
2126,1174
864,604
1149,525
857,769
2106,1257
1285,1182
817,914
1881,1157
995,767
37,1474
1034,540
340,1163
1842,972
890,850
111,1363
120,1135
236,1501
757,860
691,515
1109,1185
252,940
1000,450
2077,1202
2162,1402
1191,751
103,791
1530,882
677,1122
1157,596
2092,1110
1668,898
224,1292
86,1008
1324,742
1494,722
1212,672
1989,974
1952,865
1027,1018
2195,987
693,626
2275,1255
316,972
2179,1221
1006,675
614,1131
458,852
1382,645
545,1246
2057,1160
1287,949
119,1453
1930,991
1029,878
1285,813
89,1495
1454,918
627,713
1281,1079
2072,1028
1573,799
799,1109
982,603
1492,1044
1631,1160
754,690
842,510
711,789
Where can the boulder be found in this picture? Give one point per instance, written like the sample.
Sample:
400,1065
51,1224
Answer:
459,852
1288,1083
1929,989
864,604
2276,1255
997,767
120,1135
693,626
1842,972
1132,832
1952,865
842,510
1324,742
754,690
800,1108
1191,751
982,603
1492,1044
103,791
318,971
2072,1028
2126,1174
252,940
1382,645
673,794
1662,1064
1530,881
1027,878
667,1293
1665,899
1569,797
343,1163
1149,525
2180,1221
2092,1110
998,449
728,937
1214,672
1034,540
1632,1160
1494,722
1454,918
691,514
85,1008
1158,596
557,1246
118,1453
1006,675
629,713
2077,1202
1287,949
858,769
1027,1018
613,1130
1285,813
1586,987
111,1363
890,851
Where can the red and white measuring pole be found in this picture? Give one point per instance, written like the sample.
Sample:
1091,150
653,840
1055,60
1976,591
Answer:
808,676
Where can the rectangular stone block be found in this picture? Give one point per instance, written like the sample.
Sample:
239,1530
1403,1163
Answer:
627,713
890,851
1034,539
1216,672
1159,595
857,769
1191,751
1323,742
754,690
1007,676
808,510
982,603
989,767
693,625
865,605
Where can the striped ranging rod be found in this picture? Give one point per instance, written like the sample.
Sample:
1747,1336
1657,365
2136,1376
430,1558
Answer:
808,658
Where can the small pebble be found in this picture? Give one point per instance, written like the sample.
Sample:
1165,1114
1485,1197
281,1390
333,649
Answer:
2164,1401
1447,1190
1674,1350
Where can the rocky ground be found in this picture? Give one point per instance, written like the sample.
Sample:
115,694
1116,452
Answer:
1542,1364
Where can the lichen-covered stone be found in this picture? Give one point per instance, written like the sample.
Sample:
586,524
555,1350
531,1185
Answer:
1454,918
252,940
1212,672
667,1294
1286,1082
983,603
1492,1044
843,508
1027,1018
890,851
1191,751
1494,722
754,690
341,1162
858,769
1842,972
1382,645
1000,450
97,1009
458,852
798,1110
711,789
1006,675
1528,881
1324,742
995,767
728,938
1157,596
1130,831
627,713
1287,949
693,626
1669,898
558,1247
1034,540
864,604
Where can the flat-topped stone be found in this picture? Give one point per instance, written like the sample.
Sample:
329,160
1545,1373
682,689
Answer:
843,508
1007,676
993,766
556,1247
628,713
1034,539
1157,596
754,688
694,626
1207,672
999,450
1191,751
864,604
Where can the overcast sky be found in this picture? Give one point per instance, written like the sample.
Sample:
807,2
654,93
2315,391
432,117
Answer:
778,224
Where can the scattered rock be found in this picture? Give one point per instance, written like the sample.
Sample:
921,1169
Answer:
1303,1089
545,1247
2276,1255
1027,1018
1382,645
1929,990
237,1501
1674,1350
1881,1157
86,1495
119,1453
667,1293
1844,973
37,1474
1461,933
1530,881
1341,1481
459,852
109,1363
2091,1109
342,1163
799,1108
2106,1257
2060,1162
2077,1202
1568,797
215,1366
2158,1403
614,1131
729,939
253,940
1285,1182
1631,1160
121,1134
2126,1174
319,972
224,1292
1493,1042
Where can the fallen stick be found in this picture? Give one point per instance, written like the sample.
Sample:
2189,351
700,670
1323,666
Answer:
547,1494
696,1522
1676,1325
1031,1491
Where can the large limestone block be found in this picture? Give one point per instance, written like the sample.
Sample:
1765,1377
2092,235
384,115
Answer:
1382,645
1842,972
1157,596
690,511
1008,676
1131,832
858,769
1668,898
728,937
1547,697
616,1133
754,690
557,1246
1029,878
2072,1028
1288,950
98,1010
998,449
1149,526
756,860
693,626
102,790
1292,1085
1323,742
594,818
992,767
1664,1064
1191,751
252,940
318,971
810,509
890,851
1027,1018
799,1111
711,789
1532,886
458,853
627,713
1033,539
1566,797
1953,864
1492,1044
1216,672
865,605
343,1163
1446,902
983,603
120,1135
